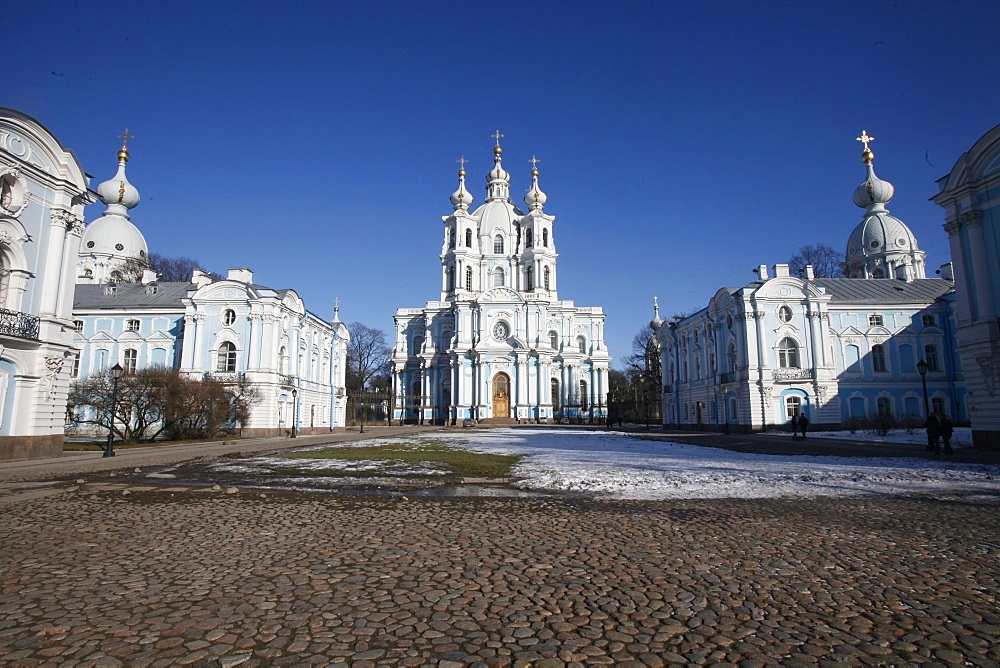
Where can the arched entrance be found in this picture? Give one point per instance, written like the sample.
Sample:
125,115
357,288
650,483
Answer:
501,395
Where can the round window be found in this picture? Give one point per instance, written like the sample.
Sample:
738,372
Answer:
874,244
142,253
501,331
229,317
784,314
90,244
119,247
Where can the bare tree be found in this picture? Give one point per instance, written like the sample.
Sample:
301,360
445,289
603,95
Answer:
159,400
176,269
367,356
825,261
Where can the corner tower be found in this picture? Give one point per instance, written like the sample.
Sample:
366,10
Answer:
881,246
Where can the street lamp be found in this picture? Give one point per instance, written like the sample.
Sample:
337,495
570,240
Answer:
295,411
116,373
922,368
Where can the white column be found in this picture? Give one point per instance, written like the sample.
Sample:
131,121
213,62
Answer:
973,220
52,269
963,312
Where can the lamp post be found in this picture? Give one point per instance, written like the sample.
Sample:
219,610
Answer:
116,373
295,410
922,368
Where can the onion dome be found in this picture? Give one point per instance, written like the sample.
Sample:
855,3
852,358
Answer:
535,199
113,234
880,242
461,198
657,321
497,180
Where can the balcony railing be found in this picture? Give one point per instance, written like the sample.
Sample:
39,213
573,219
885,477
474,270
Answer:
793,374
21,325
727,377
288,380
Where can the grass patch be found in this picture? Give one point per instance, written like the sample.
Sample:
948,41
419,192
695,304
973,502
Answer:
460,463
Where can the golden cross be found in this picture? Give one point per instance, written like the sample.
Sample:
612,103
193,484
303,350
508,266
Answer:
462,162
125,137
533,162
336,304
864,139
496,135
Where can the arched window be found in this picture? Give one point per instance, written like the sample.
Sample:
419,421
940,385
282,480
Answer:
283,359
468,238
527,238
878,358
788,354
884,406
545,238
555,394
451,238
937,405
130,358
731,354
497,277
529,278
451,279
793,406
553,340
468,278
931,357
581,344
4,281
498,244
226,362
583,394
545,277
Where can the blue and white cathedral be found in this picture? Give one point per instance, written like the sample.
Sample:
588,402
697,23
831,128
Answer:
499,345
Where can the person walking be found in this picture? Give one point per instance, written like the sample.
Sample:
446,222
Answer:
803,424
933,428
946,430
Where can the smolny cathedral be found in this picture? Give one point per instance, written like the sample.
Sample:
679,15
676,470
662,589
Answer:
498,344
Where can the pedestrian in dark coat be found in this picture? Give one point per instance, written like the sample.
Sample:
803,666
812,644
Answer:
803,424
933,428
944,426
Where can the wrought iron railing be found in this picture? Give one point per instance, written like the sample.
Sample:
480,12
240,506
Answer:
288,380
21,325
727,377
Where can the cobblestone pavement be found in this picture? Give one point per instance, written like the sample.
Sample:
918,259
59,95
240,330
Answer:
111,572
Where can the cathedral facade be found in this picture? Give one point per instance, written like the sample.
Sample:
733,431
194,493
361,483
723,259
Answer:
499,345
970,196
879,343
43,191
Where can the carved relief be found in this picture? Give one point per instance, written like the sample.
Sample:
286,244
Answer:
990,375
53,365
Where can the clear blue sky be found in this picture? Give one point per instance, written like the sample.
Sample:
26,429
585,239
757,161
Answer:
681,144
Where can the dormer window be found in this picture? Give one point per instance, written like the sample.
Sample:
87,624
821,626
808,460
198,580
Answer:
152,288
498,244
111,289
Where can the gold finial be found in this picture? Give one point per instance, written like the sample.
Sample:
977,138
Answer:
461,161
656,306
336,305
534,165
123,151
496,135
866,155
